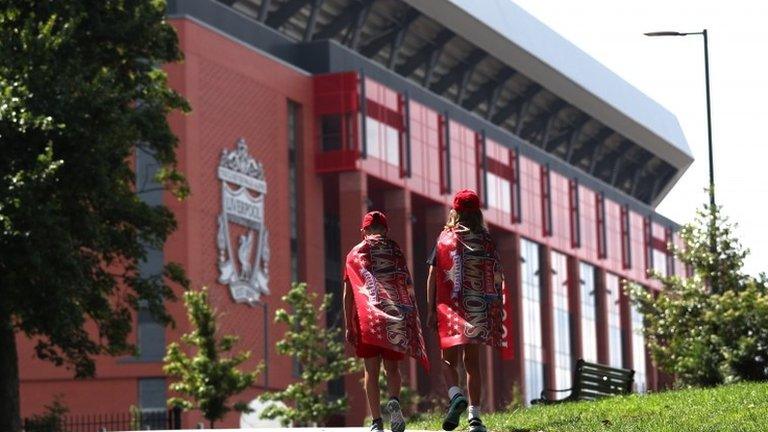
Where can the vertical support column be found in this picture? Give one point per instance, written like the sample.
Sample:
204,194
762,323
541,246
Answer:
511,380
626,327
547,316
574,308
603,354
434,221
353,187
397,206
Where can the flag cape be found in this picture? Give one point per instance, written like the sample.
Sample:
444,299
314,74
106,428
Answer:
387,313
473,303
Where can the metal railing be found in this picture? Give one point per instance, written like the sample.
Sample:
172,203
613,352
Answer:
108,422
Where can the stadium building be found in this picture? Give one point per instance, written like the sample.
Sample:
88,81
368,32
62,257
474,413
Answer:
308,113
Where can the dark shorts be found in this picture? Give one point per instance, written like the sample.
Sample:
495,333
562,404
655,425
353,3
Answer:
368,351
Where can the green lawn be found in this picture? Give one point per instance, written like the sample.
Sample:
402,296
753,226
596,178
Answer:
738,408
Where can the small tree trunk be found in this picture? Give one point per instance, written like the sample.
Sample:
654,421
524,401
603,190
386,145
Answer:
10,416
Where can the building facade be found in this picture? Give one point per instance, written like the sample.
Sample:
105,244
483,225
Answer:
308,113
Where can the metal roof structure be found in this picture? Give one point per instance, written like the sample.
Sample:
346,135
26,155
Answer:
501,64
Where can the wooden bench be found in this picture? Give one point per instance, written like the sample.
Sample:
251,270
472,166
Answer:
592,381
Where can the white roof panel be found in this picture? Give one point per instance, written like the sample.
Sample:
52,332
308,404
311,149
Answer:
518,39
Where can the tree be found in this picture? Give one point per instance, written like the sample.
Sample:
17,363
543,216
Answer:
319,352
52,420
80,89
207,378
712,327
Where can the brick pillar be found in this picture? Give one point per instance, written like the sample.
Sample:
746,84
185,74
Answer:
547,317
397,206
434,221
511,379
353,188
603,355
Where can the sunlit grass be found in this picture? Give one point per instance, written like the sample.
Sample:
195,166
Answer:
738,408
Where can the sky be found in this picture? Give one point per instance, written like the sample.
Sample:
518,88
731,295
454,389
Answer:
670,70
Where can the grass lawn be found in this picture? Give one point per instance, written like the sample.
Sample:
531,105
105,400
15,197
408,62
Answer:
738,407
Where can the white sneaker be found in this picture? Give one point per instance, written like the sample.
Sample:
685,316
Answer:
377,425
476,425
397,421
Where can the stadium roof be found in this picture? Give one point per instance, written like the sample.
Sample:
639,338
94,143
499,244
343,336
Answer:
503,65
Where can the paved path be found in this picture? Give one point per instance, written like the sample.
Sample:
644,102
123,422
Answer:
320,429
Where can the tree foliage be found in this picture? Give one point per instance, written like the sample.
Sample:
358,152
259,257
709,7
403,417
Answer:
52,419
712,327
319,352
80,88
208,378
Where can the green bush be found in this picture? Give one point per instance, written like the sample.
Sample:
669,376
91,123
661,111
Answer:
51,420
711,328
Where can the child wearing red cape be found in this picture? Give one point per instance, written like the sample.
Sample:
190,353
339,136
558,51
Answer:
467,304
382,320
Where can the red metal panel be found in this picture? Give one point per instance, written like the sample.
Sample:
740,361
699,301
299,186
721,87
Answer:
613,233
560,210
600,229
546,201
573,213
442,153
336,93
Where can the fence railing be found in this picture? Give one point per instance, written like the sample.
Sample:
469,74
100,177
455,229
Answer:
124,421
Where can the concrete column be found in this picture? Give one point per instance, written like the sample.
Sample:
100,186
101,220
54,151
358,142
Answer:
353,188
510,382
626,327
397,207
547,317
603,355
574,308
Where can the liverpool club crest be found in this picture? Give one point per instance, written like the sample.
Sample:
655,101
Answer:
245,269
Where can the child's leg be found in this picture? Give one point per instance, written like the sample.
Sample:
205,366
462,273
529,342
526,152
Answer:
394,380
474,378
372,367
450,365
397,420
458,403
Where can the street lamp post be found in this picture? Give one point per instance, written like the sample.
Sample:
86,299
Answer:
712,207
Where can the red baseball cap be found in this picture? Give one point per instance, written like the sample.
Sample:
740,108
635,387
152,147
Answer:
374,217
466,200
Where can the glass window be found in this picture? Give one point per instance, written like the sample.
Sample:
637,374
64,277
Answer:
588,313
293,185
638,351
152,404
531,296
383,141
612,287
659,261
331,132
150,333
498,192
562,333
152,394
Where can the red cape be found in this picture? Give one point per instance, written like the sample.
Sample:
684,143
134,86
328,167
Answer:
473,303
387,313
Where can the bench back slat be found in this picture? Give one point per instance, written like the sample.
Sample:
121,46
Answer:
592,381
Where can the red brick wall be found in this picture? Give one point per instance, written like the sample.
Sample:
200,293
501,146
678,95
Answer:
234,92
